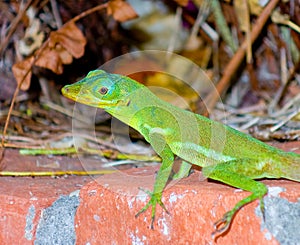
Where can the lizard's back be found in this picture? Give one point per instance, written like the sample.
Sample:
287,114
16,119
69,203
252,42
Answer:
203,142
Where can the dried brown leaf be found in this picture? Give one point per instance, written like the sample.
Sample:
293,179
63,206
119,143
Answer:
22,68
50,59
65,56
64,44
71,38
120,10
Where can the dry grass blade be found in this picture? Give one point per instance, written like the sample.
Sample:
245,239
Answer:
55,173
238,57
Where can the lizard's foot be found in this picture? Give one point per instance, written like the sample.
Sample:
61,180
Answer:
223,224
155,198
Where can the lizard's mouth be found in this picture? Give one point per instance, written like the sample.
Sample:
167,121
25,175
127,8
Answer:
73,94
98,104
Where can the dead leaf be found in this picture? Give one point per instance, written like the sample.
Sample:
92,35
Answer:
64,44
50,59
20,69
120,10
71,38
65,56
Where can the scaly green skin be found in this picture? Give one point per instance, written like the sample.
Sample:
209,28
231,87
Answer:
224,154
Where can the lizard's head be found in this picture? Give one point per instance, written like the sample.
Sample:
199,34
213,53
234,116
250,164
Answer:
101,89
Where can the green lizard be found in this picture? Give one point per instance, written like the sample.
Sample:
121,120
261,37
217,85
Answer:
224,153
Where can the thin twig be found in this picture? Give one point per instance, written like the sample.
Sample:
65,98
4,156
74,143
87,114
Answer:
281,123
87,12
248,32
39,51
56,13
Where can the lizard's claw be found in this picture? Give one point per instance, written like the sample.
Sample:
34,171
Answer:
155,198
222,225
262,208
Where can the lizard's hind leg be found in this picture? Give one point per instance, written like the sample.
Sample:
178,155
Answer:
227,173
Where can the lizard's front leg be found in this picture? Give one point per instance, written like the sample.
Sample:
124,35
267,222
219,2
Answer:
157,140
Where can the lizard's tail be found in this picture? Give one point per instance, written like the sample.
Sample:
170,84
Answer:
290,166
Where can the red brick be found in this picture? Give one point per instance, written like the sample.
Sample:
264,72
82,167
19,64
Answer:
22,199
19,195
108,206
109,203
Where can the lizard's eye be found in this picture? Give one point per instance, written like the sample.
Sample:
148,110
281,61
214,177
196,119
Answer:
103,90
